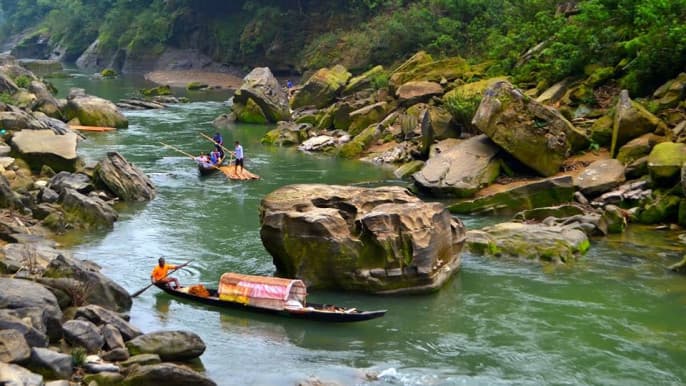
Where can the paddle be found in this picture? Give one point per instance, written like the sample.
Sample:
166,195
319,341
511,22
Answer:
178,267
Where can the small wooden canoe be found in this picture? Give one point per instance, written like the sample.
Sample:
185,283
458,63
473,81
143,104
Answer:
206,169
269,295
91,128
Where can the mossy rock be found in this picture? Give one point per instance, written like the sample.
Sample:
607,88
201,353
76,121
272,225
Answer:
600,76
408,169
448,69
196,86
362,118
365,80
321,88
663,209
681,217
250,113
357,145
108,73
601,130
463,100
104,379
665,161
156,91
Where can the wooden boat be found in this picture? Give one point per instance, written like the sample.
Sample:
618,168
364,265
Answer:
271,295
206,169
91,128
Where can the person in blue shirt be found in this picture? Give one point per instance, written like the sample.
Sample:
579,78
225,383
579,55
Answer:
238,153
215,157
219,144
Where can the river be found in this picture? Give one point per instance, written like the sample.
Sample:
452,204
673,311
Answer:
614,317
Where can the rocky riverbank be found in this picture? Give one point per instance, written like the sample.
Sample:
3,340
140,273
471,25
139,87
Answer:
61,320
571,161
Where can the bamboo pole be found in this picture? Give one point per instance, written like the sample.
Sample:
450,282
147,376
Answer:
192,157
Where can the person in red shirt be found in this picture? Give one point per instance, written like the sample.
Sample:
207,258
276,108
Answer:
160,272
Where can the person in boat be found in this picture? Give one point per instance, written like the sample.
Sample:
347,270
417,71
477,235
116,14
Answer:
215,157
218,143
160,272
238,153
202,158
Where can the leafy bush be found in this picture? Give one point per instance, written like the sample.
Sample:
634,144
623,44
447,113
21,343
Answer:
7,98
462,108
23,81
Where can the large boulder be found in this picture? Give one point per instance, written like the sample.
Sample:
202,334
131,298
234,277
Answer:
14,320
418,91
462,170
261,87
95,287
102,316
530,195
638,148
7,197
50,364
600,176
361,119
93,111
632,120
287,134
463,100
13,346
15,375
321,88
89,211
537,135
45,101
32,300
421,67
82,333
365,80
529,241
666,161
169,345
65,180
672,92
124,179
380,240
165,374
44,147
16,119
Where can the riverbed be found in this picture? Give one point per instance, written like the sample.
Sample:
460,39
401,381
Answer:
614,317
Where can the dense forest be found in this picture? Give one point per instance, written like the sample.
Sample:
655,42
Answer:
533,40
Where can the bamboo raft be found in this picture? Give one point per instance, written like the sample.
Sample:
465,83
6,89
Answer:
92,128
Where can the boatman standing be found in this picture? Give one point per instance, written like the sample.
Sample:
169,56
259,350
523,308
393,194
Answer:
238,153
219,143
160,272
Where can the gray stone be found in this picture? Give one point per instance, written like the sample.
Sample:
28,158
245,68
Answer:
7,197
14,320
166,374
124,179
13,375
600,177
50,363
112,336
100,289
77,181
418,91
318,144
169,345
112,320
32,300
81,333
13,346
462,170
264,89
90,210
116,355
142,360
529,241
44,147
48,195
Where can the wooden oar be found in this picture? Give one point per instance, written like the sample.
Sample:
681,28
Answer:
140,291
191,156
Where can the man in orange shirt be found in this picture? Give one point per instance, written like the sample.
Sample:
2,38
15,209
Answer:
160,272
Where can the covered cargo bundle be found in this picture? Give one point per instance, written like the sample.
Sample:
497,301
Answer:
266,292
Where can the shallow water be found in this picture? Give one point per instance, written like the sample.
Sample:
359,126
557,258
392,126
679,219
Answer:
614,317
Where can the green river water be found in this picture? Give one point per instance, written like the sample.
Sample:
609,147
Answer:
615,317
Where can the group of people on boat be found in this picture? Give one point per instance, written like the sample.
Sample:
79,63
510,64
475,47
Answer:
216,156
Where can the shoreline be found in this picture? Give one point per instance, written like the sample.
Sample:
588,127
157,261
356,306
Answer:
181,78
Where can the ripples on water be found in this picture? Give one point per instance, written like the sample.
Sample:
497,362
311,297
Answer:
614,317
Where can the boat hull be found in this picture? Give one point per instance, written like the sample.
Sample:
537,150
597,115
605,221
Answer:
316,315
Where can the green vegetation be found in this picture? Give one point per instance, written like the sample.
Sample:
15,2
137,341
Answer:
23,81
640,42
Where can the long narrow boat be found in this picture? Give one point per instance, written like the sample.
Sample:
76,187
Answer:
284,297
206,168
